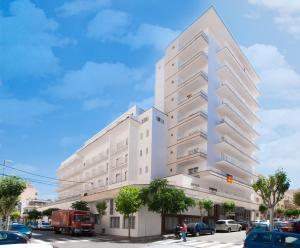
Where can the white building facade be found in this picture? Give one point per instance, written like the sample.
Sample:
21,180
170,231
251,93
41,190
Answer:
200,135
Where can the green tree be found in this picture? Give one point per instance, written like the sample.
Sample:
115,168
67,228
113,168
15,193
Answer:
279,212
297,199
15,215
291,213
34,214
48,212
263,210
11,187
205,204
101,207
228,207
164,199
80,205
128,202
272,189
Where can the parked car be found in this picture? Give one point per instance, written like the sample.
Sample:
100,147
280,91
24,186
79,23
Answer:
10,237
296,226
244,223
228,226
284,226
44,226
273,239
258,227
21,229
28,246
196,229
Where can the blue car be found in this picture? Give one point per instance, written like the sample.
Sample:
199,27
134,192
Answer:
273,239
9,237
196,229
21,229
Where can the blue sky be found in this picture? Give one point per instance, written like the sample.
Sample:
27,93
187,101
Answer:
67,68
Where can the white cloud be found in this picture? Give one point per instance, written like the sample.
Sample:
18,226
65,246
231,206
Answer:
95,103
93,78
23,112
108,25
144,103
27,41
279,80
113,25
75,7
279,127
151,35
287,13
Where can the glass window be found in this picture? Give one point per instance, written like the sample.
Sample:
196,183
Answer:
114,222
141,153
147,150
132,222
111,206
262,237
146,169
287,240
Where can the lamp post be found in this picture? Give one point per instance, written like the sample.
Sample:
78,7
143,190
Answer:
5,162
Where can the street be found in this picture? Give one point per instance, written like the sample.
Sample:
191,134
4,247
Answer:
219,240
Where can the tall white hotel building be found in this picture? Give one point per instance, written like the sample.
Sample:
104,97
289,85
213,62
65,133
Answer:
200,133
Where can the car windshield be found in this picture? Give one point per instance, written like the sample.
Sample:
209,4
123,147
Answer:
220,222
20,228
45,224
83,218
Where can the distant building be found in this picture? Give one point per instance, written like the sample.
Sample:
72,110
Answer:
288,201
29,200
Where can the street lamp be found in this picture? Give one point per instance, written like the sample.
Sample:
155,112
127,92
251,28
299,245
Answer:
5,162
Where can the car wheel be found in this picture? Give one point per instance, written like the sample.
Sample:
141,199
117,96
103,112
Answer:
212,232
197,234
229,230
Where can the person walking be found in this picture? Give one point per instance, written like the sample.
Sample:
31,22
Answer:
184,231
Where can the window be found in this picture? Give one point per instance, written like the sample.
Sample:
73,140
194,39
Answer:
147,150
118,177
147,133
111,206
141,153
172,82
171,152
126,158
106,166
106,182
132,222
140,171
145,119
125,175
146,169
287,239
114,222
160,119
262,237
172,134
141,136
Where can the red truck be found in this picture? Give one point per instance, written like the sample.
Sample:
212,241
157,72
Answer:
73,222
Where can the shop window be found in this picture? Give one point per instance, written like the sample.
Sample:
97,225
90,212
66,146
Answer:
132,222
114,222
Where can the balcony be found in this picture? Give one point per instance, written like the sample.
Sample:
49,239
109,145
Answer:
229,146
227,57
192,135
200,41
226,109
191,156
225,126
194,82
226,74
121,163
234,167
190,116
226,91
119,147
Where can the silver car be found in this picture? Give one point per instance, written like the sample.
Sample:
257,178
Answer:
228,226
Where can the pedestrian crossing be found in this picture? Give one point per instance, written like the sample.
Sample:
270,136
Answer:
195,243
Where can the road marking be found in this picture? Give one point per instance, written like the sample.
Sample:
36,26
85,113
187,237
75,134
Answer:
40,241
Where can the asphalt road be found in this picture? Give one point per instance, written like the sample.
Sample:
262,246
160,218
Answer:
219,240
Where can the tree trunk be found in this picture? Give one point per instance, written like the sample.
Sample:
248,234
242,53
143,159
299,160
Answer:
129,223
162,223
271,218
7,222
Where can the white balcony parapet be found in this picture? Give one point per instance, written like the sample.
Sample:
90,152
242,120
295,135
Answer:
197,36
236,163
201,133
237,147
185,81
241,100
191,96
195,151
237,130
198,113
120,146
186,62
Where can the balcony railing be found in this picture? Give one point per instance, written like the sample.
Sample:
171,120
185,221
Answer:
233,161
198,113
190,59
120,146
192,152
201,133
242,102
237,147
191,96
186,44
